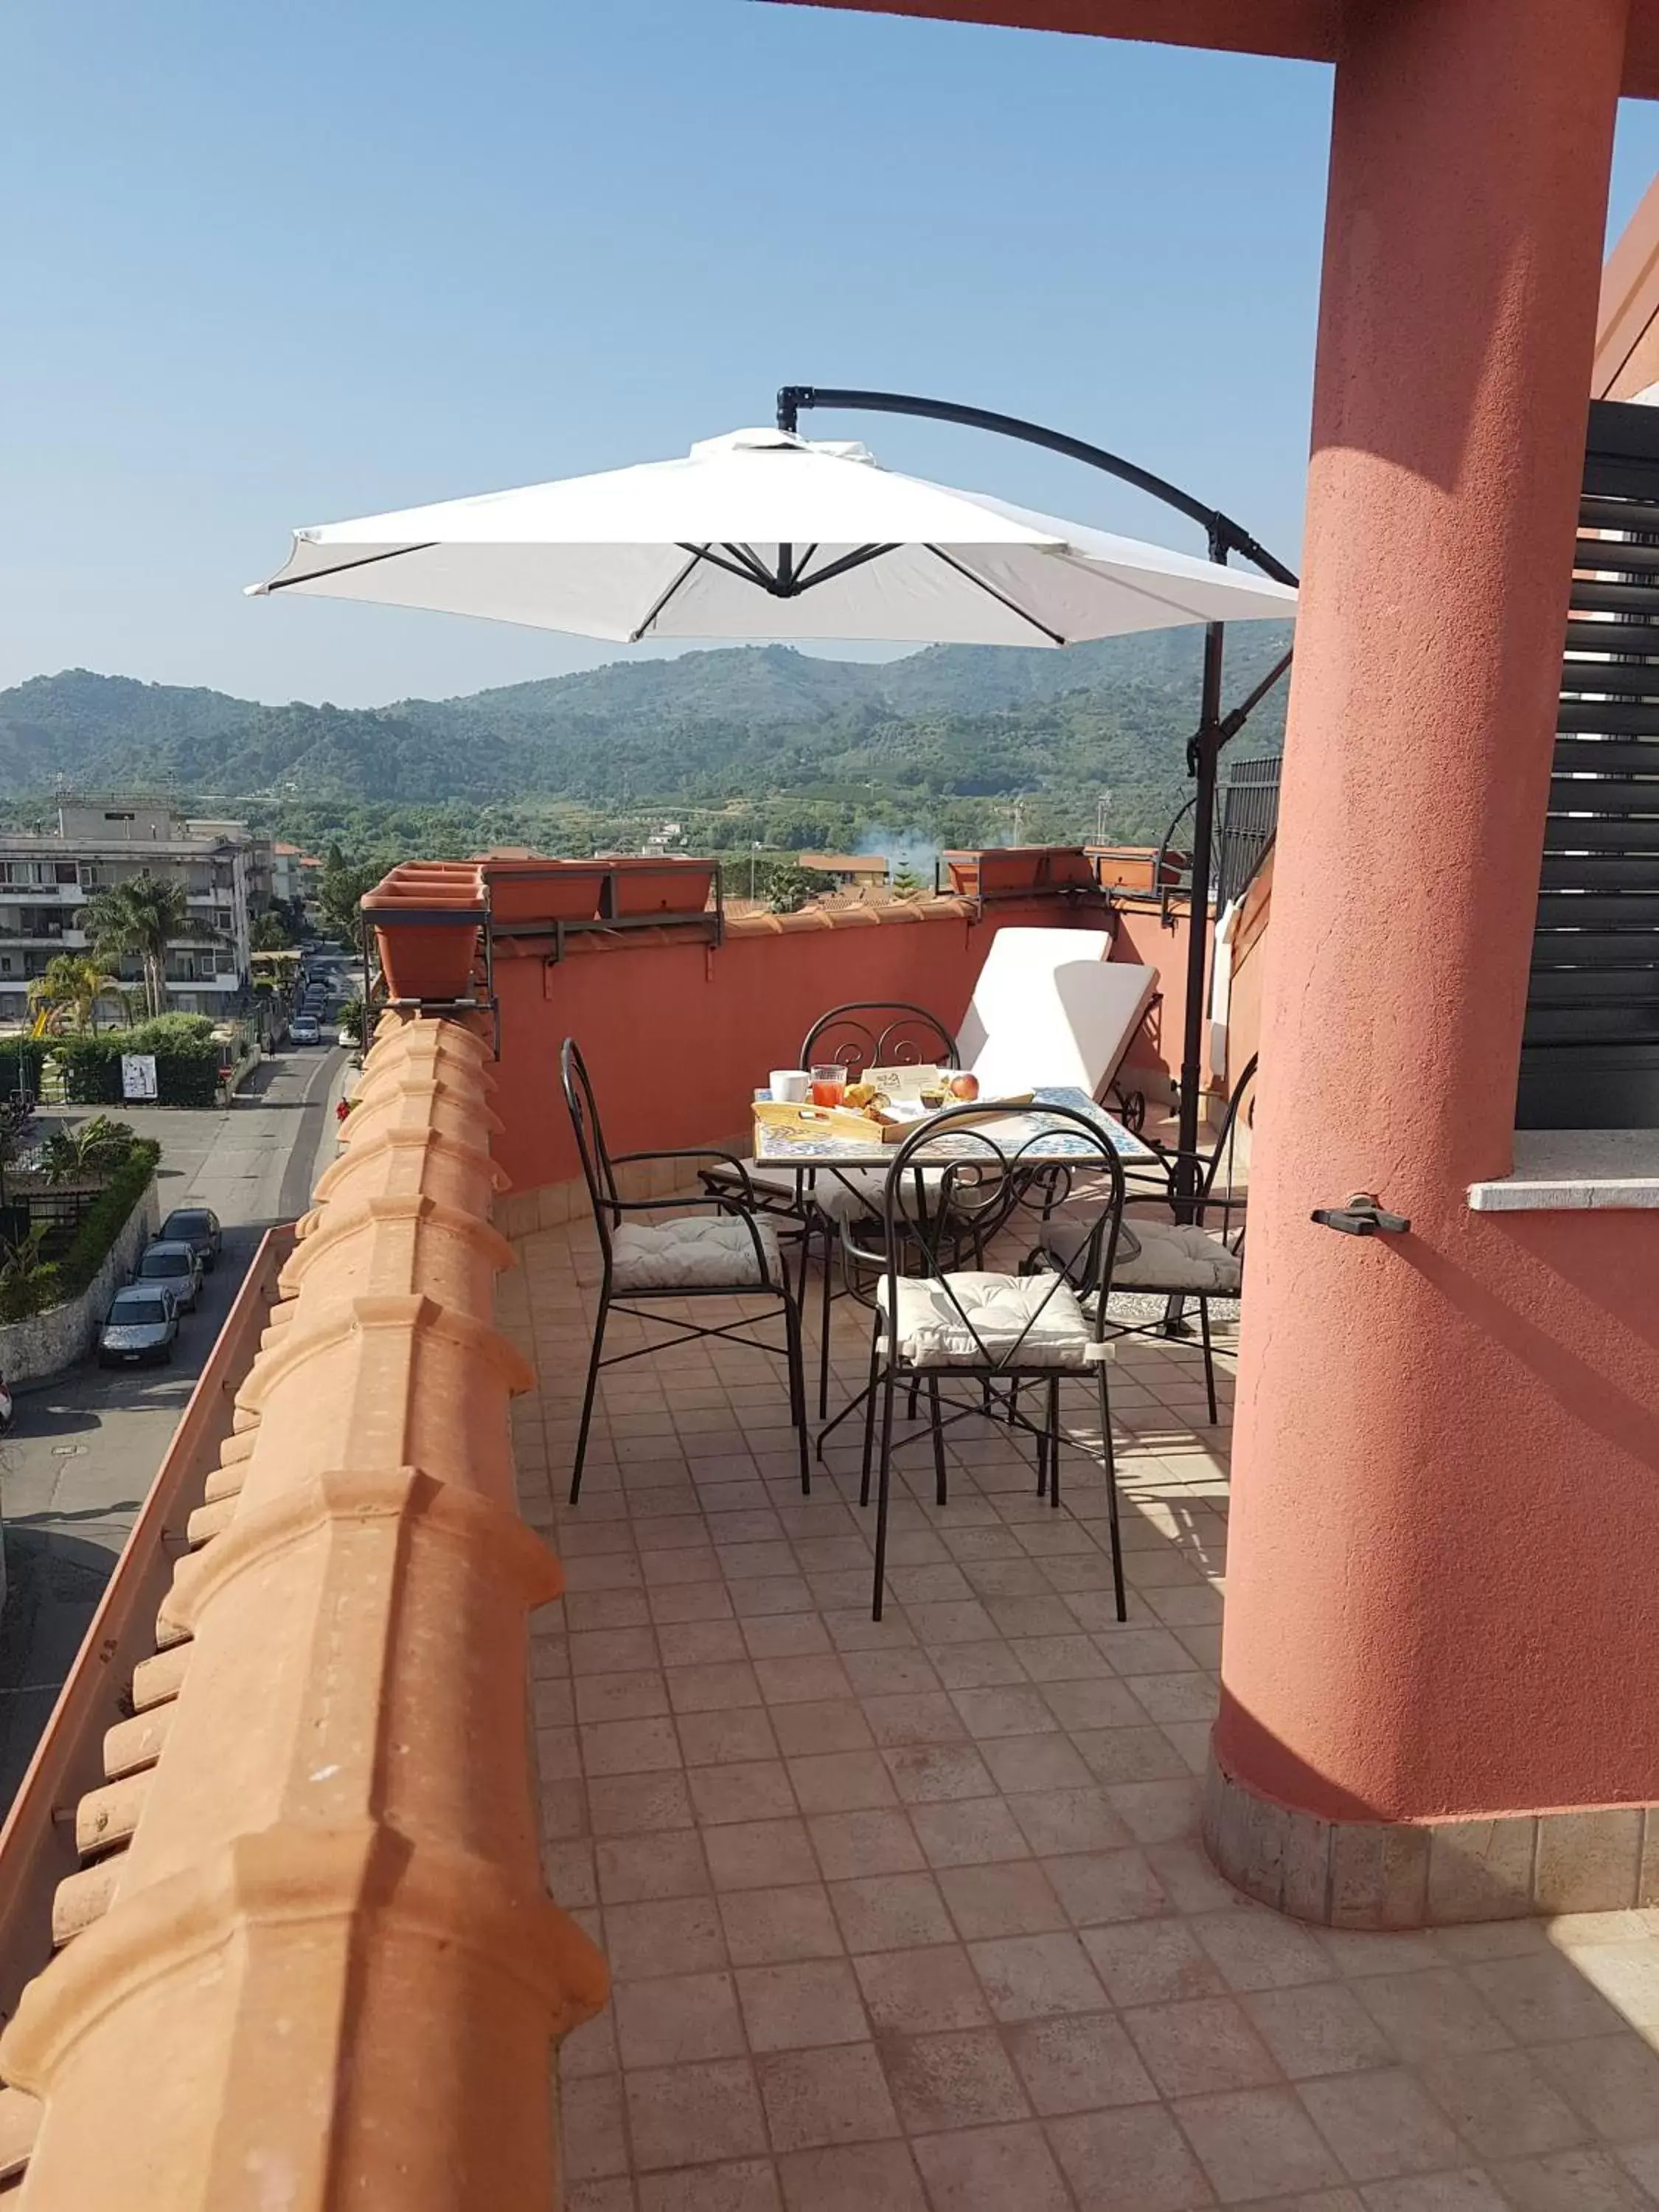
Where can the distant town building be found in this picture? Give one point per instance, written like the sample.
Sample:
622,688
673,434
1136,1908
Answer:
294,874
47,877
849,871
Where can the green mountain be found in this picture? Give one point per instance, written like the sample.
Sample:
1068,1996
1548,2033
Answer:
829,741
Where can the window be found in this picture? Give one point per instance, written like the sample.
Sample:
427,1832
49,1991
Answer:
1590,1055
65,872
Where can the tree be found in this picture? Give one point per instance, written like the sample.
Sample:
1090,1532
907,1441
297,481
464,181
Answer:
782,881
343,885
270,933
74,981
139,917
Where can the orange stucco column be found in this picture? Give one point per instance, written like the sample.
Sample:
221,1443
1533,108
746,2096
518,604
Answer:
1443,1568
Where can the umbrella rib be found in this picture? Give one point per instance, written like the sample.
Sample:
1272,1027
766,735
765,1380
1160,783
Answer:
663,597
752,565
1001,598
854,560
315,575
746,572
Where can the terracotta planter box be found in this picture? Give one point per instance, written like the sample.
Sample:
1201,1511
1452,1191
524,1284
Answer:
425,922
646,887
1002,872
546,890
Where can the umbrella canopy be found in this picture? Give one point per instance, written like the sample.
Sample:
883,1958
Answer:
764,534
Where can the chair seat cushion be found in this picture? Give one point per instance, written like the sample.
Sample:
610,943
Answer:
698,1252
1178,1256
984,1320
861,1194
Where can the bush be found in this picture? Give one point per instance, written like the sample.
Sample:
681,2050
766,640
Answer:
99,1147
187,1062
28,1285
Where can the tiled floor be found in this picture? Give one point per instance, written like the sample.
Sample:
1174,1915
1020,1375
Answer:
914,1918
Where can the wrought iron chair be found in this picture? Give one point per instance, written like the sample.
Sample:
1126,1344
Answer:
1174,1257
864,1033
938,1324
730,1253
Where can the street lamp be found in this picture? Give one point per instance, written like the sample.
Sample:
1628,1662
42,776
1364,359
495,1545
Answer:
1224,537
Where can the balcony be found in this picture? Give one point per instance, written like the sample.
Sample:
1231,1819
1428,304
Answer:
910,1915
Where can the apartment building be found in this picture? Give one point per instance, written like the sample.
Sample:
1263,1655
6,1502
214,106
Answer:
294,873
47,877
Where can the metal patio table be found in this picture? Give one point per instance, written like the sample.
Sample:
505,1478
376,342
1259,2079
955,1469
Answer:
1039,1141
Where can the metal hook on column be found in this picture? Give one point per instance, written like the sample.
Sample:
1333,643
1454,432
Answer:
1363,1216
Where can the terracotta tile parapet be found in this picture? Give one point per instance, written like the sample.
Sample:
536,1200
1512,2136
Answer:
443,1939
399,1321
426,1235
155,1680
451,1110
325,1818
400,1162
897,912
466,1153
19,2123
1395,1875
522,1563
108,1816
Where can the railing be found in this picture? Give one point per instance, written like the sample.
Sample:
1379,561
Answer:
38,1846
1249,822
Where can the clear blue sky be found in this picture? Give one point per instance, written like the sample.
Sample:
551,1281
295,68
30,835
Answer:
274,265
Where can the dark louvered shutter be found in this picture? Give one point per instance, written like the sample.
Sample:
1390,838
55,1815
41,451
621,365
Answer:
1590,1056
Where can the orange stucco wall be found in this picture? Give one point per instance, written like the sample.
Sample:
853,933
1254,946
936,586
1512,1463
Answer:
1251,935
678,1035
1306,30
1443,1592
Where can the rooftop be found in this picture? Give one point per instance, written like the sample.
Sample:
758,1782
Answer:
917,1914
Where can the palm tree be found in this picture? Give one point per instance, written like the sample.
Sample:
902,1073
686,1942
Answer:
270,933
72,980
139,916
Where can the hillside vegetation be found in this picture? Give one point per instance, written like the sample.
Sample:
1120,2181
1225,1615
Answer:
761,743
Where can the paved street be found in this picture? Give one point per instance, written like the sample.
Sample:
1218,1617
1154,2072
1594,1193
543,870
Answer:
80,1457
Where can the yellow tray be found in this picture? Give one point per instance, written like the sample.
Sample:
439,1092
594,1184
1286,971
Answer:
848,1126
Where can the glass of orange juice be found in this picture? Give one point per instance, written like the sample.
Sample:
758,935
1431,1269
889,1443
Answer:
829,1084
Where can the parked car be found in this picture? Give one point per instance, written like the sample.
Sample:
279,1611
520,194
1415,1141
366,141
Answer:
141,1325
304,1030
198,1226
177,1264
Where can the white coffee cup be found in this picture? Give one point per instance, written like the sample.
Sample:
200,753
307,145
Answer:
790,1085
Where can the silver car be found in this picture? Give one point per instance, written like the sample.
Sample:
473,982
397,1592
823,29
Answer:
177,1264
143,1325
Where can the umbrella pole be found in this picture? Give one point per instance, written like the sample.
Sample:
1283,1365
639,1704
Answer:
1203,756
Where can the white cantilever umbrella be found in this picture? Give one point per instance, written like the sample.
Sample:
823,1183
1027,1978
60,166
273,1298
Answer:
764,534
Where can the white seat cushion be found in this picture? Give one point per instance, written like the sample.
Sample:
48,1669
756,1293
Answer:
700,1251
861,1194
1177,1256
1031,1320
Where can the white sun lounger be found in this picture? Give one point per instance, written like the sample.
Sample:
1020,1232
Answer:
1051,1007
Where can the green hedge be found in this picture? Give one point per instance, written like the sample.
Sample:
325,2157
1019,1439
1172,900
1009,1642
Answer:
19,1058
186,1062
105,1218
